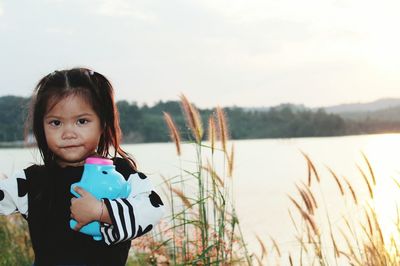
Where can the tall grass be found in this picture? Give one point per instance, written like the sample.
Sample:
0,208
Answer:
203,227
15,246
356,236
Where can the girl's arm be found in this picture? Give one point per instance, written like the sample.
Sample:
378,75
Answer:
13,194
134,216
121,219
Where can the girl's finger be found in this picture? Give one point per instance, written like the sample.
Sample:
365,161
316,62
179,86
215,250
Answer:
78,227
80,191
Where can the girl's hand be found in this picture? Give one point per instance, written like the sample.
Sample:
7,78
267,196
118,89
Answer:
85,209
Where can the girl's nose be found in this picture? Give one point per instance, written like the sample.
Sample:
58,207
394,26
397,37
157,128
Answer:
69,133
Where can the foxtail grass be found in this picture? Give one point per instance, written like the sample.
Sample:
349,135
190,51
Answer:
356,238
193,119
203,227
15,245
174,132
211,133
222,128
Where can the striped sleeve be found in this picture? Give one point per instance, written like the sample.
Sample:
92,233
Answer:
134,216
13,194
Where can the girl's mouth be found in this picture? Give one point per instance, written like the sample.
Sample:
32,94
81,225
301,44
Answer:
70,147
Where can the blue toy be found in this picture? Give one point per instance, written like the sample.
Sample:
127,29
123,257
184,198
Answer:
102,180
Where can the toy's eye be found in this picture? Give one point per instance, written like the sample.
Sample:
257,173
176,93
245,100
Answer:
105,172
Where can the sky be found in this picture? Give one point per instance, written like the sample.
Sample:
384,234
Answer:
216,52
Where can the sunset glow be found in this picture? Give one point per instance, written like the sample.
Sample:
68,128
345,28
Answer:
383,153
243,53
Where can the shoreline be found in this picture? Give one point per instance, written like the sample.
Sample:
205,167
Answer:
14,144
23,144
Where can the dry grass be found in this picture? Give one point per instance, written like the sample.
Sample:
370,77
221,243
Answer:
193,119
231,158
174,132
203,228
353,239
222,128
15,245
213,237
311,169
212,133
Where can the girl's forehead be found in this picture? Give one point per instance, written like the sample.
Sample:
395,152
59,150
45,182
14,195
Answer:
69,104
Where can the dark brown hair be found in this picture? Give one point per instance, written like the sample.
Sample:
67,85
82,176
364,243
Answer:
98,92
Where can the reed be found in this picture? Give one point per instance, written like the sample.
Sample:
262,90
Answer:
264,252
222,128
193,118
15,243
174,132
336,178
203,227
231,158
350,240
212,133
311,169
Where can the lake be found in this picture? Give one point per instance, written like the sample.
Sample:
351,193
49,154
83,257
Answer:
266,171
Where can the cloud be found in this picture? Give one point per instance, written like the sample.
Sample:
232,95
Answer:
60,31
253,11
268,51
124,8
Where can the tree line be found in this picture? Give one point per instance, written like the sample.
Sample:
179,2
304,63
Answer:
143,123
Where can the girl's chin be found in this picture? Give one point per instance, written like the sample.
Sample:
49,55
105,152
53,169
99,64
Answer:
77,160
65,163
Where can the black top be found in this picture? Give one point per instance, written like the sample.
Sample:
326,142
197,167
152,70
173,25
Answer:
53,241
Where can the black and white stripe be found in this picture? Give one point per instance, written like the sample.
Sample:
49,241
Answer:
108,233
131,226
130,214
130,217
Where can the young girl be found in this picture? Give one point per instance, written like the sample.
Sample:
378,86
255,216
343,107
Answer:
74,116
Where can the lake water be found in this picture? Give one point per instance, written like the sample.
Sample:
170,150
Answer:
266,172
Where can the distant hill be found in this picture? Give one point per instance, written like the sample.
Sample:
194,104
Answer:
387,109
291,106
146,123
344,110
363,107
389,114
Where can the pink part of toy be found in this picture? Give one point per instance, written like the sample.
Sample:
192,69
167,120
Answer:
97,160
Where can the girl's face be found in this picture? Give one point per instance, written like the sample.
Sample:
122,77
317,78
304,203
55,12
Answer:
72,130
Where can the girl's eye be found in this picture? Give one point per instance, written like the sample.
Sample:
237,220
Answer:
55,123
82,121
